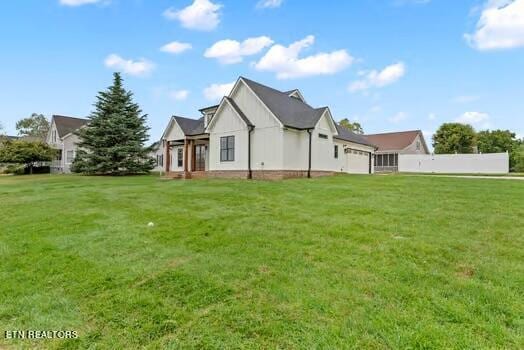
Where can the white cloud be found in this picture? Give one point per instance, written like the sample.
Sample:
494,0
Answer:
269,3
178,95
231,51
501,26
465,99
397,118
476,119
201,15
284,61
432,116
140,67
217,91
78,2
374,78
176,47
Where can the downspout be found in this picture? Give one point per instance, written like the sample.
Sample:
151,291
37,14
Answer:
249,171
309,131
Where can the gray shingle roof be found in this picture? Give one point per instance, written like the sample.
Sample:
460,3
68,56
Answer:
348,135
190,127
290,111
208,108
396,141
66,125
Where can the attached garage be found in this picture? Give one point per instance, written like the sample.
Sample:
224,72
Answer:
357,162
358,152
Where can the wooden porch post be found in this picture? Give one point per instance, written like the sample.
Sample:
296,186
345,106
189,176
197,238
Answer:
167,161
186,165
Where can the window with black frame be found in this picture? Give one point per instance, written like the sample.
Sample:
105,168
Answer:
227,148
180,157
336,151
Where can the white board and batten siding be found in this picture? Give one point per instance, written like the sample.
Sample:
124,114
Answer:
488,163
275,147
266,138
227,123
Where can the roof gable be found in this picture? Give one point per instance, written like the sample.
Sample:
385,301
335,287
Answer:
234,107
66,125
325,111
188,126
295,93
395,141
290,111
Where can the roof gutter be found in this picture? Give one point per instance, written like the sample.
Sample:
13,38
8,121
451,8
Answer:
249,171
309,131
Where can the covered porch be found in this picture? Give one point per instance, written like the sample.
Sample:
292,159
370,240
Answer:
187,158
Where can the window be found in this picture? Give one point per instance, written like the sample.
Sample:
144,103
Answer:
180,157
70,156
418,145
227,148
159,159
54,136
323,136
336,151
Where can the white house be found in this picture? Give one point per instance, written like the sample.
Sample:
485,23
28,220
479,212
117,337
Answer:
259,132
61,136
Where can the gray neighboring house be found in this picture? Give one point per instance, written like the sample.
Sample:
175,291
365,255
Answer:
157,154
391,144
61,137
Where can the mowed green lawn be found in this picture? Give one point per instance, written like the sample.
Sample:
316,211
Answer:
342,262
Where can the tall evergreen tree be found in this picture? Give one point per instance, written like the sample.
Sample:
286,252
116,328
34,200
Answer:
113,141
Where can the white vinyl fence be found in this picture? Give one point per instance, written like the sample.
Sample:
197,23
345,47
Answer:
489,163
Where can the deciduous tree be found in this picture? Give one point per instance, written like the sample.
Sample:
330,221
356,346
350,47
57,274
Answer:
454,138
26,153
495,141
36,125
355,126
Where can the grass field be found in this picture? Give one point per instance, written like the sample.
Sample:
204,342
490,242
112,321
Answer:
343,262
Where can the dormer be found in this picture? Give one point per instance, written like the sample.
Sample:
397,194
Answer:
296,94
208,113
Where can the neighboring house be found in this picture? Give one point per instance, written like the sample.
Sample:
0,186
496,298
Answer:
259,132
157,154
61,136
390,145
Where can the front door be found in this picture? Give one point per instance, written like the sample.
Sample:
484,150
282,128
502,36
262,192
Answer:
200,158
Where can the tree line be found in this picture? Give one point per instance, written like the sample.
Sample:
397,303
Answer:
462,138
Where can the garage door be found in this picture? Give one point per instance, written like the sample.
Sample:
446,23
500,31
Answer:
357,162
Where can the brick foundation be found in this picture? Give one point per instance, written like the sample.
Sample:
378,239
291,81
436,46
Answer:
243,174
266,174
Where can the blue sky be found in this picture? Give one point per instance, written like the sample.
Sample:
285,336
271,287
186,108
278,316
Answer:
390,64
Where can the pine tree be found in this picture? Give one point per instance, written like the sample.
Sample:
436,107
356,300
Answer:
113,141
